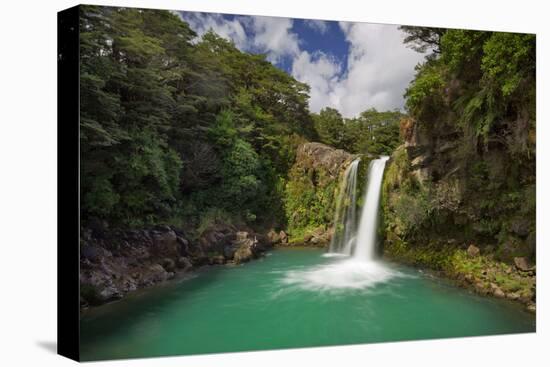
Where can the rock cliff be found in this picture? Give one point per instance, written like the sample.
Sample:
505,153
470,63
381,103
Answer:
310,192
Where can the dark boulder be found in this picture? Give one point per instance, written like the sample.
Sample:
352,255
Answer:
165,244
184,263
184,245
229,251
91,253
520,227
168,264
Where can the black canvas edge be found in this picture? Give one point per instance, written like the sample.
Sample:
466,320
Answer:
68,184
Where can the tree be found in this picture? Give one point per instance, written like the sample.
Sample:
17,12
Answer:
329,125
422,39
172,128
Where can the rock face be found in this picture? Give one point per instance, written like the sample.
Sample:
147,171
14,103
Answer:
321,157
522,264
310,193
113,263
473,251
439,182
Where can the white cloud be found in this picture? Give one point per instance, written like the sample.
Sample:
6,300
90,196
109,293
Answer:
269,35
378,70
319,25
273,36
229,29
320,72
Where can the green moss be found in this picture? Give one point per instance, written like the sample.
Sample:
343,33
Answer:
457,264
307,204
298,235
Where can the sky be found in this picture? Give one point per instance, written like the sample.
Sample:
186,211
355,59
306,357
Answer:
349,66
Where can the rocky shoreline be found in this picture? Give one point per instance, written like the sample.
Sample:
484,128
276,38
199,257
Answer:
116,262
472,269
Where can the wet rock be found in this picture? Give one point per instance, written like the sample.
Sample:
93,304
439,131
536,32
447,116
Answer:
472,251
91,253
532,308
217,260
184,245
283,236
154,274
109,293
241,236
497,292
198,257
480,287
273,237
526,297
321,236
514,296
229,252
522,264
168,264
165,244
216,237
184,263
243,253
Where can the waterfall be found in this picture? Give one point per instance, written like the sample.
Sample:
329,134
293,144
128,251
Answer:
360,271
368,226
345,217
350,238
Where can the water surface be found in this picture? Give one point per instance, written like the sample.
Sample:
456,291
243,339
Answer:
291,298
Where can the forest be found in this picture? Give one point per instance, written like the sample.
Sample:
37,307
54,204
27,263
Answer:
174,131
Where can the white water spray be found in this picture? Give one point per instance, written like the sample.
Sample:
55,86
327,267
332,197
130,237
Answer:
361,271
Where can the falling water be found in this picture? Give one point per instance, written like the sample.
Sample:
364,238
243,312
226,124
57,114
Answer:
360,271
368,226
345,218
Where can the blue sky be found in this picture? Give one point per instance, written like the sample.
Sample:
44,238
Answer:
349,66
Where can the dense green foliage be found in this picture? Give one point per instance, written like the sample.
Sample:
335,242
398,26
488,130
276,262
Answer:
309,201
171,129
485,78
188,131
468,173
372,132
